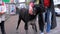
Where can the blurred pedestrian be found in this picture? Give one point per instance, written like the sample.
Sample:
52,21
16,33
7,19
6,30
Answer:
48,6
2,16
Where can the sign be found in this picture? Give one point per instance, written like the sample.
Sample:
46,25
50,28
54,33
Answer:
6,1
12,9
7,9
0,8
16,1
21,0
11,1
56,2
0,1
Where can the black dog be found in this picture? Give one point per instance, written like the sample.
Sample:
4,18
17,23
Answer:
26,17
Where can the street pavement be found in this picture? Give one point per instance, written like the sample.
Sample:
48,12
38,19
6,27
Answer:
11,23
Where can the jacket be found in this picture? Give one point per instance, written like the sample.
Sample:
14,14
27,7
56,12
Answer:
2,9
54,23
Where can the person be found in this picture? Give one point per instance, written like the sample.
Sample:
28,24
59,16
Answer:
31,5
2,16
49,10
48,14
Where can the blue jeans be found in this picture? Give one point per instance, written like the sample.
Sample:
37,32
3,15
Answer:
47,17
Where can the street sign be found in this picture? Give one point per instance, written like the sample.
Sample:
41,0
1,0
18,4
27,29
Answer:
56,2
11,1
12,9
6,1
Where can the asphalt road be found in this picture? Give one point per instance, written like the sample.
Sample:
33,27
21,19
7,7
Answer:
11,23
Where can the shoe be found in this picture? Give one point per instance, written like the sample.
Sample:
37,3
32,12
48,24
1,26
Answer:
42,33
46,33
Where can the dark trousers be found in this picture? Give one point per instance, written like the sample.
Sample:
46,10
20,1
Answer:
41,22
2,27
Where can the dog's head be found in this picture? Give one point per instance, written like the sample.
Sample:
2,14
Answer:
36,9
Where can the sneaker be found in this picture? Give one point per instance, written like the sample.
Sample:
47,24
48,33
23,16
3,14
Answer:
46,33
41,33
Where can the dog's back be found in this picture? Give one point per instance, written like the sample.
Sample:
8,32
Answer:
23,13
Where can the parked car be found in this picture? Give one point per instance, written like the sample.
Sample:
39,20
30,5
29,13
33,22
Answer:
57,11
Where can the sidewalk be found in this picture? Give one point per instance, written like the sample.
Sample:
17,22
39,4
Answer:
11,23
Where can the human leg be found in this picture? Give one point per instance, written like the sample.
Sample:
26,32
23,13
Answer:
2,27
41,23
48,21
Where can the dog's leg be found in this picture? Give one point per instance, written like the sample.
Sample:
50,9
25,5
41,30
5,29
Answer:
19,20
26,27
34,28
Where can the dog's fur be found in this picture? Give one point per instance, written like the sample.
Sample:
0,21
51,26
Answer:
26,17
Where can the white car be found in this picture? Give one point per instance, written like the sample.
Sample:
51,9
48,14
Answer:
57,11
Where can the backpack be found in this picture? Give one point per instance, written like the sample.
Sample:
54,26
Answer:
46,3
